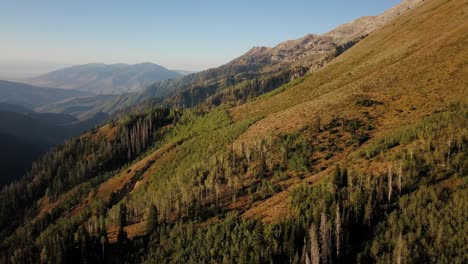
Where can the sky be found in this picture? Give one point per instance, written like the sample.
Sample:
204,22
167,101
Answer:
40,36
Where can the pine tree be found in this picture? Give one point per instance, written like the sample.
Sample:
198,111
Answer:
337,176
103,241
122,235
122,215
344,176
152,222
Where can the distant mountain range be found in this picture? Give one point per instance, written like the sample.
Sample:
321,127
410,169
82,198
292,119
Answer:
101,78
32,96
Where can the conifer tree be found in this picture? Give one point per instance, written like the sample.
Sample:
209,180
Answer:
152,222
122,215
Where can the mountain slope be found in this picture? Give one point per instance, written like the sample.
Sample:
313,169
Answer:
364,161
391,66
25,135
314,51
32,96
106,79
310,52
84,107
258,71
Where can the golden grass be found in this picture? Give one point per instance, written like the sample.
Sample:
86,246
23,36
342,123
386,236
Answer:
113,185
132,230
120,181
415,65
419,61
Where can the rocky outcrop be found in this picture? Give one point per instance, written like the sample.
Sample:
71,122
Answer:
311,51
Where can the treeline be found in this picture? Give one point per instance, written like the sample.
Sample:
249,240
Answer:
235,90
249,89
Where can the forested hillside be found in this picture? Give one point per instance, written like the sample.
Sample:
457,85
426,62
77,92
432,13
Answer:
26,135
362,161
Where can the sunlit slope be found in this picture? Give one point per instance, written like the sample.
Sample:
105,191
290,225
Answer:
413,66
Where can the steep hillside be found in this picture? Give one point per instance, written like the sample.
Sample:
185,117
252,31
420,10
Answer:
17,160
84,107
32,96
286,61
361,161
26,135
106,79
402,66
314,51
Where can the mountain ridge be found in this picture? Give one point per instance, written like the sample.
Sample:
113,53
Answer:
30,96
311,51
100,78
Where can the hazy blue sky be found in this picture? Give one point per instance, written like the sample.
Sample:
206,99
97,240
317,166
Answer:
39,36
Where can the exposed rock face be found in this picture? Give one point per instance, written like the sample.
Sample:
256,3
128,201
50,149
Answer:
315,50
311,51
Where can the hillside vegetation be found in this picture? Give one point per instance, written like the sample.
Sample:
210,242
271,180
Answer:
26,135
362,161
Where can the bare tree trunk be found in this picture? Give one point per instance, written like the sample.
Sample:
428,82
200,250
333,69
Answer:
305,256
314,246
449,143
390,184
368,209
400,173
338,229
399,246
325,235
